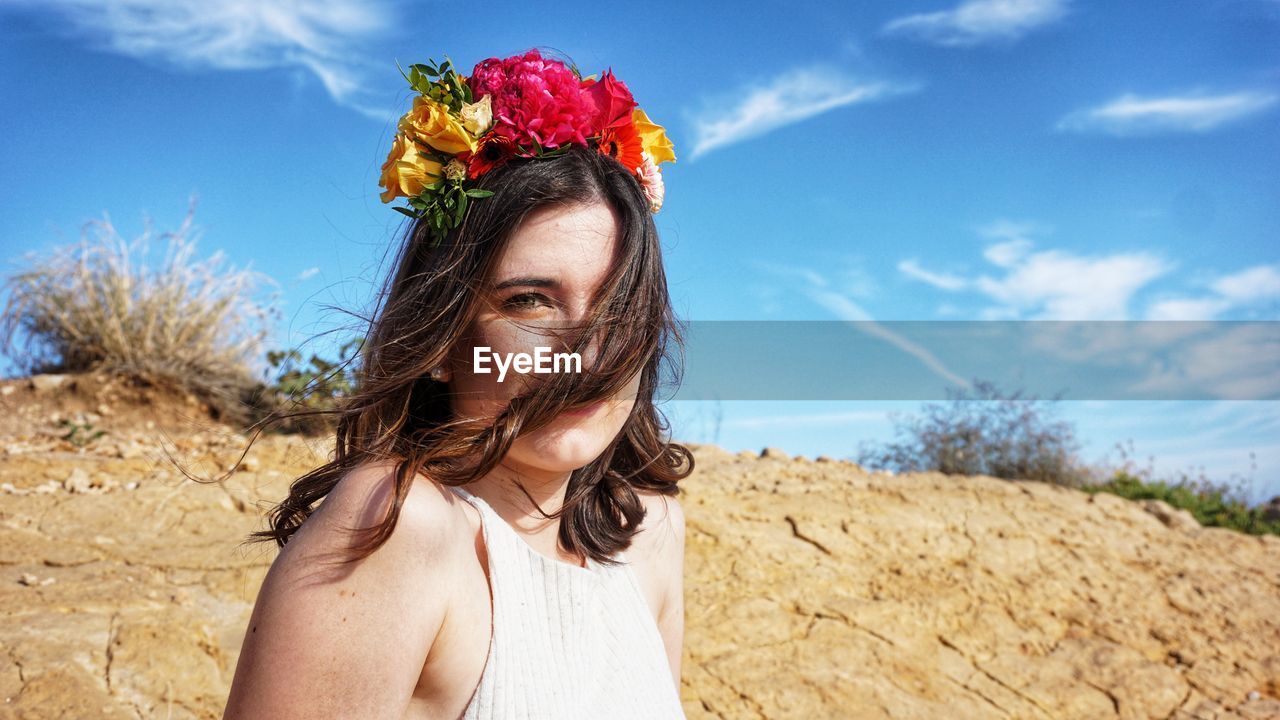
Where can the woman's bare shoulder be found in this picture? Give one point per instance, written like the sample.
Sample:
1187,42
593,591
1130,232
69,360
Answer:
661,509
316,617
429,509
661,533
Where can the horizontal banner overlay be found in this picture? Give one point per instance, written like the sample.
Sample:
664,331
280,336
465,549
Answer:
933,360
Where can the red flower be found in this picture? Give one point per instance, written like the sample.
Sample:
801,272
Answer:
493,150
624,143
612,99
535,100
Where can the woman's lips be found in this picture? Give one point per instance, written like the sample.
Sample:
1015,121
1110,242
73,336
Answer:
588,410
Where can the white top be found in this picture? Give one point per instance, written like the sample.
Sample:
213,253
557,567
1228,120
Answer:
567,642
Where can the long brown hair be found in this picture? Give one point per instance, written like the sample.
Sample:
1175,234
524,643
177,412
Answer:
426,307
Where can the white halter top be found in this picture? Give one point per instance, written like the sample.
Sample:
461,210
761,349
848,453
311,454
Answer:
567,642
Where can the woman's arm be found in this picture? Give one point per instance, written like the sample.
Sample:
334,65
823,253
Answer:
671,559
326,641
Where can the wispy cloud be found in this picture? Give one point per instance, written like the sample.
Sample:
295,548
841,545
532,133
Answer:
1057,284
1048,284
1247,288
979,22
943,281
315,36
308,273
1132,114
826,294
788,98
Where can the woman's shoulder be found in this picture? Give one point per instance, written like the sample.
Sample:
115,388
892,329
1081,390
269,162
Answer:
660,537
327,616
429,512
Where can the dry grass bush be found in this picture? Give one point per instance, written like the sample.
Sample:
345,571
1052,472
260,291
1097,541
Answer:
97,305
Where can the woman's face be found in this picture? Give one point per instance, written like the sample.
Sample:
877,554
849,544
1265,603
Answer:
553,266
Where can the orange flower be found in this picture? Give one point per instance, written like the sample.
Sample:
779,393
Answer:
624,144
493,150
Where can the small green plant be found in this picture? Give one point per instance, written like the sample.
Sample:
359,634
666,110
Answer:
983,432
1216,504
314,384
80,434
318,380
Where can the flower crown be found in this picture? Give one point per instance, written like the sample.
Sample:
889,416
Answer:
523,106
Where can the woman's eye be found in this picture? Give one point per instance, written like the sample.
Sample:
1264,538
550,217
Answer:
525,301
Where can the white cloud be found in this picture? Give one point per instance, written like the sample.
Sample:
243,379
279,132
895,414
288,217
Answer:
1015,237
1187,309
1132,114
1256,283
1057,284
1005,229
315,36
1048,284
788,98
1008,253
1248,287
1060,285
308,273
979,22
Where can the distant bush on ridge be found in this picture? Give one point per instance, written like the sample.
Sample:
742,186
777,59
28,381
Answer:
983,432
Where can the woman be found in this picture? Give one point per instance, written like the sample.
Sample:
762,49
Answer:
522,550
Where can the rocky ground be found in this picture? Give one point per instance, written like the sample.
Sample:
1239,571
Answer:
814,589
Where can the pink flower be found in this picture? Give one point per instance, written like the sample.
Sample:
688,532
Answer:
535,99
651,182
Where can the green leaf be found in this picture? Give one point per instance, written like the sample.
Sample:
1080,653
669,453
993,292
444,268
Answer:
462,208
478,193
404,211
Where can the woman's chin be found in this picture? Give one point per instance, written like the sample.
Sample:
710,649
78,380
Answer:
566,445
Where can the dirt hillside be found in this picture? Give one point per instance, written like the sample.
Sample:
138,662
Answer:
813,589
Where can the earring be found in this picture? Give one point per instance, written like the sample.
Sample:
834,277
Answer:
437,373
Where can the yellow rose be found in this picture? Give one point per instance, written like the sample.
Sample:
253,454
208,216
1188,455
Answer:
431,123
406,173
653,137
477,116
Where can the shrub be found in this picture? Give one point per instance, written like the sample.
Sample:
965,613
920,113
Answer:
1218,504
96,305
293,386
983,433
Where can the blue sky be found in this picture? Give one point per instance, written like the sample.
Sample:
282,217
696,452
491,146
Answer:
931,159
